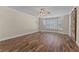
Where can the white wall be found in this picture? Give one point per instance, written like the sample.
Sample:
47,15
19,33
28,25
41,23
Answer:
70,25
15,23
77,41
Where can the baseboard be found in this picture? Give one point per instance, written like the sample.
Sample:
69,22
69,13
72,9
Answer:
54,31
18,35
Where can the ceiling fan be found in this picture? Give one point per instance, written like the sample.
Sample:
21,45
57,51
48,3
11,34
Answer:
44,12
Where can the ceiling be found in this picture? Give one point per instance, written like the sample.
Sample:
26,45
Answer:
35,10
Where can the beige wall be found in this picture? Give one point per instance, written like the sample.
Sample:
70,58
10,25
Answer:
77,26
14,23
66,24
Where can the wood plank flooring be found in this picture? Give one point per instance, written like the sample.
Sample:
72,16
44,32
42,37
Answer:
39,42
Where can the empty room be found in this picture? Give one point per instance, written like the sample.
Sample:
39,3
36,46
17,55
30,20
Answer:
39,29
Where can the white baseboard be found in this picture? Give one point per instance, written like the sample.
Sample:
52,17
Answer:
18,35
53,31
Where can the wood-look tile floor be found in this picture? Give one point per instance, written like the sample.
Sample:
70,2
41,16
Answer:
39,42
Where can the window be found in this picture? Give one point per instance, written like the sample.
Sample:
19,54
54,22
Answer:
52,23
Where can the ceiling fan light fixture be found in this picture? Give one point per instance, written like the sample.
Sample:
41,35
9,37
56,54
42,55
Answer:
44,12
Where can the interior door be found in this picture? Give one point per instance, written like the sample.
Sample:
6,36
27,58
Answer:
73,24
